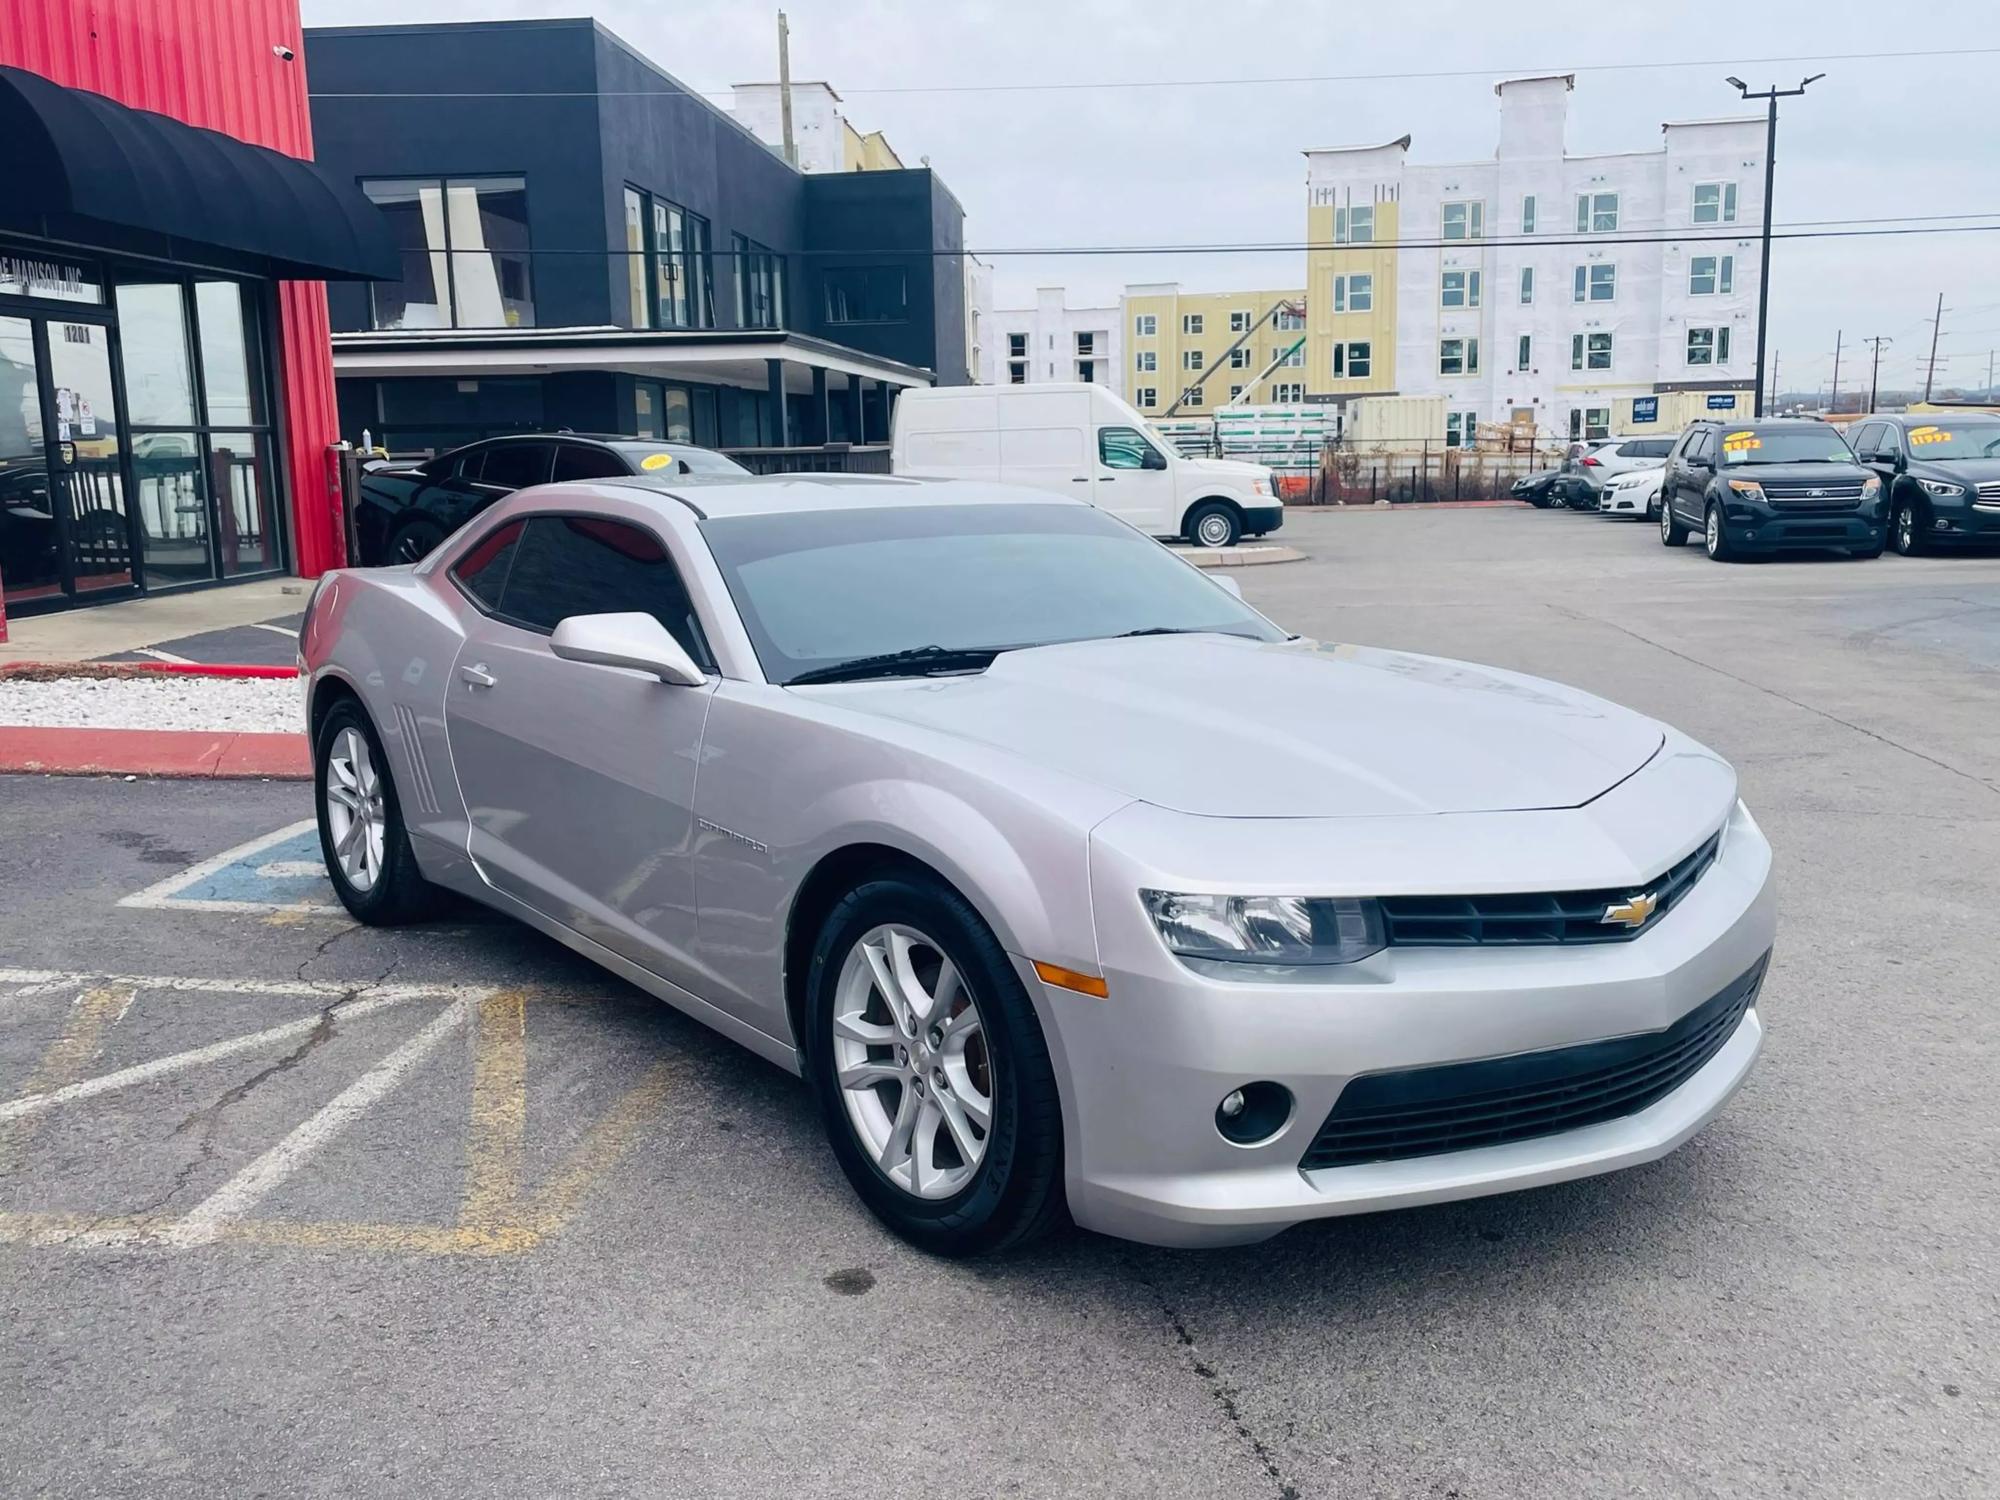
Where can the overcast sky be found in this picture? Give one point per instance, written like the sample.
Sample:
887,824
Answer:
1192,164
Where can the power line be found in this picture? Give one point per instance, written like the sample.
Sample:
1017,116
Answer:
1190,83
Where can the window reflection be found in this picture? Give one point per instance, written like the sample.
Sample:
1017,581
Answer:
465,254
152,332
225,352
238,475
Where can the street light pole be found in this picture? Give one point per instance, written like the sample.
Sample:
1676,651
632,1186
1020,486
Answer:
1771,95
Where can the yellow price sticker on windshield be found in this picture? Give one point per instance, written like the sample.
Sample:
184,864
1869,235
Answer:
1740,442
1919,436
656,460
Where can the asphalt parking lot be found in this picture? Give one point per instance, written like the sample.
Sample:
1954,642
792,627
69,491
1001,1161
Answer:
291,1207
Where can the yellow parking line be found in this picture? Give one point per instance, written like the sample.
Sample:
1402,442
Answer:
91,1015
499,1113
606,1141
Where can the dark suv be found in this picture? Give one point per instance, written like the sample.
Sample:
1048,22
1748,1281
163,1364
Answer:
1770,485
407,509
1942,472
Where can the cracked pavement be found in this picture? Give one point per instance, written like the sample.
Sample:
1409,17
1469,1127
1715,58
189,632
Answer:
1802,1301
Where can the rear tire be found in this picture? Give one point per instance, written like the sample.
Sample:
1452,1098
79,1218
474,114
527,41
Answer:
361,832
888,1124
414,540
1214,524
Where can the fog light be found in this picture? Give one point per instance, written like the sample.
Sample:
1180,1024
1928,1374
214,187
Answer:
1254,1114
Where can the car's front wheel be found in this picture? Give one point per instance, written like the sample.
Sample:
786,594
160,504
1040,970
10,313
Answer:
1715,537
1672,533
1908,529
1213,525
934,1080
361,833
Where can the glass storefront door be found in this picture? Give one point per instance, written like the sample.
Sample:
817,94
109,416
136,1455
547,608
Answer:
30,560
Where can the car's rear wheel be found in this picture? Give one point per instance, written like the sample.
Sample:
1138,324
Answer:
415,539
1910,533
1672,533
933,1077
361,833
1213,524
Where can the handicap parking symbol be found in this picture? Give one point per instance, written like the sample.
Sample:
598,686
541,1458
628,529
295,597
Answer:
279,872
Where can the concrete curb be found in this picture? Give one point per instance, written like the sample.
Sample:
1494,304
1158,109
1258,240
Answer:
1239,557
177,753
43,670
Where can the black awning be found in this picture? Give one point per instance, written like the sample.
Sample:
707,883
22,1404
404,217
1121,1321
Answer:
77,158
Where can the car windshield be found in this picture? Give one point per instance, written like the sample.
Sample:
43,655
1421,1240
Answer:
1954,440
819,589
651,458
1785,445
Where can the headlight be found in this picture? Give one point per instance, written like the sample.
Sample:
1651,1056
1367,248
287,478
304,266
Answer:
1871,487
1260,486
1267,929
1749,489
1941,487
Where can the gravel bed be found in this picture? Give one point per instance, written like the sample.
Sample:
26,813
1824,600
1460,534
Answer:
255,705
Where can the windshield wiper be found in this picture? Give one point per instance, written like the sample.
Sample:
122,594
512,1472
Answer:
918,661
1126,635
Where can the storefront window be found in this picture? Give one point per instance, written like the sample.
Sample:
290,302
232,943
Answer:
29,561
225,354
152,331
173,508
465,253
239,474
49,280
89,468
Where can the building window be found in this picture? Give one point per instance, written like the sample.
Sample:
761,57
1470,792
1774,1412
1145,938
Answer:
1288,321
1464,221
868,294
1239,321
1710,274
1086,371
1086,344
678,266
1597,421
1590,351
1458,356
1149,395
1351,361
1191,359
1715,203
1017,372
1353,293
1293,358
1289,392
1354,225
1459,289
464,244
1527,285
1524,352
1191,396
1148,361
1461,429
1528,214
1239,359
1145,325
1190,322
1596,283
1017,346
1596,213
1708,346
1235,392
760,285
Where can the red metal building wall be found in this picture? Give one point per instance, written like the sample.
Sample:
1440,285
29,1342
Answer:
212,63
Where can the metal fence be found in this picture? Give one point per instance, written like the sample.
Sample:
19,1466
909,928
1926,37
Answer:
1352,477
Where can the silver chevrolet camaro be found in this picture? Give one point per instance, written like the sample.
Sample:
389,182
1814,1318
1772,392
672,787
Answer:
1072,884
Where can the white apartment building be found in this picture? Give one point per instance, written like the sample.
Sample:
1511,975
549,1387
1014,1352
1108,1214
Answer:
1579,295
822,135
1050,341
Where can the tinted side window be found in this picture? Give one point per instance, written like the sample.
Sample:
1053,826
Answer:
1867,438
1121,448
588,565
575,461
515,466
1892,439
1704,446
1650,448
466,466
482,572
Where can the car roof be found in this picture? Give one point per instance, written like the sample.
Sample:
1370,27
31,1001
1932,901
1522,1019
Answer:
781,494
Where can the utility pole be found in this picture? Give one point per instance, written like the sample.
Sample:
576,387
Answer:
1875,366
1930,369
1833,406
1774,382
1989,374
1771,95
785,88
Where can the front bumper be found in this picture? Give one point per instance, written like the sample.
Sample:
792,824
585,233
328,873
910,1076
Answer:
1627,502
1262,520
1147,1067
1957,523
1759,527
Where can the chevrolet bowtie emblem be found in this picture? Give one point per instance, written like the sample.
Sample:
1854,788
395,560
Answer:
1633,911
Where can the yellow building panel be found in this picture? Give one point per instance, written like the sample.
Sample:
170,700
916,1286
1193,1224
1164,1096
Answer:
1205,324
1331,317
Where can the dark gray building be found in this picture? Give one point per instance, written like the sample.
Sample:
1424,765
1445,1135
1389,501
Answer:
586,243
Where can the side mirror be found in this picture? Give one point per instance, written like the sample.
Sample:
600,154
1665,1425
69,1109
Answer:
1228,585
634,640
1153,459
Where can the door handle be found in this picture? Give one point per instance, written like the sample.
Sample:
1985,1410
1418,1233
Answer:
1081,479
477,676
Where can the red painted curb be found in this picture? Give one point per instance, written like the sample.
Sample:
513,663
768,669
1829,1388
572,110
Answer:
179,753
140,668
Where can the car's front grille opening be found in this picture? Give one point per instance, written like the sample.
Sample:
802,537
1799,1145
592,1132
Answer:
1811,497
1540,918
1460,1106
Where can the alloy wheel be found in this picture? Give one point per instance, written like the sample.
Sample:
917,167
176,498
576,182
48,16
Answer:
414,544
354,810
1712,534
1906,529
910,1054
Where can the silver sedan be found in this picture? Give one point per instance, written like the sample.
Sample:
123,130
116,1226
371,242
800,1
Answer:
1070,883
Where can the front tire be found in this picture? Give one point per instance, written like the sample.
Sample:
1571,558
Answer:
1213,524
1672,533
933,1077
1715,536
1908,528
361,832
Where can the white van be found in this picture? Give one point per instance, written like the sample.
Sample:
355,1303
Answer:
1079,439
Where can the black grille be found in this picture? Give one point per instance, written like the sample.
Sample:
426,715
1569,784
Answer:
1843,495
1537,917
1460,1106
1989,491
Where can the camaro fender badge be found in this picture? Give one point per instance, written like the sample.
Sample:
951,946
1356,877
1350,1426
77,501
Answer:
732,834
1633,911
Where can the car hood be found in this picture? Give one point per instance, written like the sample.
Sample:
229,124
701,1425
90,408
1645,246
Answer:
1965,471
1227,468
1798,473
1226,727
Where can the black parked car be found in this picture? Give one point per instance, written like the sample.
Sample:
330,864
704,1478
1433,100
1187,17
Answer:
1770,485
1537,489
1942,473
407,509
